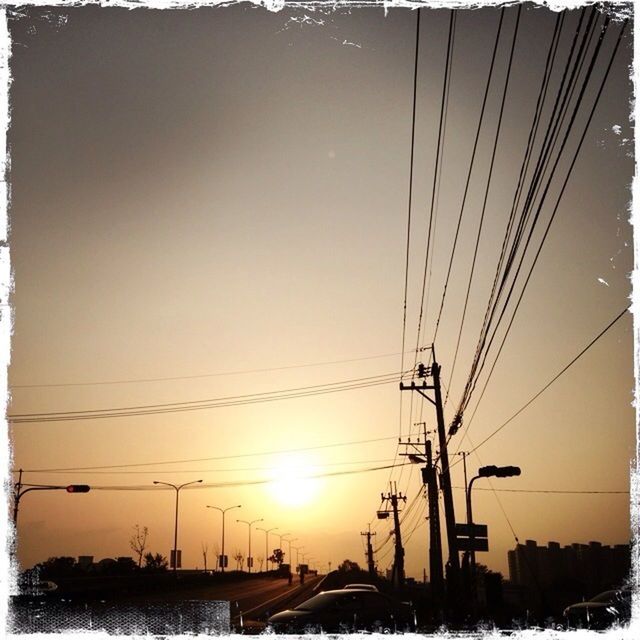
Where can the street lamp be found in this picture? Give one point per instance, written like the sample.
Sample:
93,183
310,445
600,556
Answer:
281,536
175,534
266,545
249,558
223,511
297,550
483,472
290,540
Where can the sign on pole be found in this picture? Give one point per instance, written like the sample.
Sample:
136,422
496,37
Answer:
172,562
223,561
472,544
472,530
472,537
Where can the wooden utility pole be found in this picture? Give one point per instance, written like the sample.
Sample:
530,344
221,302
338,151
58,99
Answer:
398,560
430,480
429,477
370,563
453,564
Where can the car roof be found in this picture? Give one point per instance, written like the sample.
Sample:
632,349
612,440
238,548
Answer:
368,587
351,591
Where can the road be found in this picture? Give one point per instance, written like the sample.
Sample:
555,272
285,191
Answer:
260,608
251,599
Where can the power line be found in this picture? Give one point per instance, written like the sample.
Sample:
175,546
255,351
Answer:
468,180
202,375
210,403
239,483
537,395
486,194
411,163
436,172
227,457
176,471
471,388
557,491
563,370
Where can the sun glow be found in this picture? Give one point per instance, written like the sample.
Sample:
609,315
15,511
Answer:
292,484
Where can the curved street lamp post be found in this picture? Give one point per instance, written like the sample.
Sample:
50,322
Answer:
223,511
297,550
483,472
266,545
249,558
175,533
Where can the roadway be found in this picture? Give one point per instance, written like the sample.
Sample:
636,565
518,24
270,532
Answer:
250,599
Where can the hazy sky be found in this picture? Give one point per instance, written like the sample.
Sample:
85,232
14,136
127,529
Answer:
222,190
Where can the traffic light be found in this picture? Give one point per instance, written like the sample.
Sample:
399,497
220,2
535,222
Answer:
78,488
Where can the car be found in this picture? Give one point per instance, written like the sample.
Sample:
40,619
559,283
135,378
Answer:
602,611
367,587
342,611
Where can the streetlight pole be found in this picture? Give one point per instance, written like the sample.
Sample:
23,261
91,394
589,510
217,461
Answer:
223,511
483,472
249,558
280,537
266,545
175,532
297,550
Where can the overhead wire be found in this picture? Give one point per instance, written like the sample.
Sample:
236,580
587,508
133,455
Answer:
434,191
560,373
469,172
213,458
176,471
201,375
559,197
543,389
409,207
232,483
209,403
496,294
488,186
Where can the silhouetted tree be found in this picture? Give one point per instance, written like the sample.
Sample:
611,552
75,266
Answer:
205,548
138,542
482,569
155,563
260,562
239,558
277,557
349,565
57,567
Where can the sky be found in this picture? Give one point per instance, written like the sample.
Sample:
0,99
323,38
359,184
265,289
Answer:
213,203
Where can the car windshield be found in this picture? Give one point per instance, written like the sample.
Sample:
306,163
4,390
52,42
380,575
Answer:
317,603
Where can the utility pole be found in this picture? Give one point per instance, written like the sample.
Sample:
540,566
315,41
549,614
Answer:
398,560
435,542
453,564
370,563
430,480
16,498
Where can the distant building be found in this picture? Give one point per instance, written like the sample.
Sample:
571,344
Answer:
585,567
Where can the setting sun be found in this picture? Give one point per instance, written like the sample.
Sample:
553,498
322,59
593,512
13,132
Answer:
292,485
